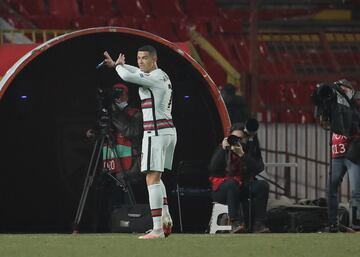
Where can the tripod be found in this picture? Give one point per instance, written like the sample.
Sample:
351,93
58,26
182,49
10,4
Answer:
104,139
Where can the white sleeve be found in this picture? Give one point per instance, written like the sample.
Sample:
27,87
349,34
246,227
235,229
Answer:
139,78
131,68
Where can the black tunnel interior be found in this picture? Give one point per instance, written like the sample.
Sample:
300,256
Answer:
46,111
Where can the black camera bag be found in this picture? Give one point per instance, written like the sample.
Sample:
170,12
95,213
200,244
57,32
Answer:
131,218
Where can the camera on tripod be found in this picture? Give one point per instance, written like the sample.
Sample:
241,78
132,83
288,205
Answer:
334,104
106,100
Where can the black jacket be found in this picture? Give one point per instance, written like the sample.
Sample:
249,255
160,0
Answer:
249,165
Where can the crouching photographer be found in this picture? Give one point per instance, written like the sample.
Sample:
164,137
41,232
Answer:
233,168
337,106
121,127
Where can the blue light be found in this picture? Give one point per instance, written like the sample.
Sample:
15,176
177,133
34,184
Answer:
24,97
186,97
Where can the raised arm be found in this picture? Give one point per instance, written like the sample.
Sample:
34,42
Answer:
140,78
130,73
131,68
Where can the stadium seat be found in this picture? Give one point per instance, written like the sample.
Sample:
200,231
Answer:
37,12
182,30
15,20
229,26
161,27
84,22
201,8
240,14
135,8
66,9
14,3
268,13
215,71
161,8
227,50
205,26
51,22
32,8
98,8
128,22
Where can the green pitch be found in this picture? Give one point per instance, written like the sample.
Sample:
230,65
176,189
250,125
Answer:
181,245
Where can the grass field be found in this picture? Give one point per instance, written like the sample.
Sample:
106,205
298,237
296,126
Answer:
182,245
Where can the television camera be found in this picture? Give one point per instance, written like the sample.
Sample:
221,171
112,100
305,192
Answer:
334,104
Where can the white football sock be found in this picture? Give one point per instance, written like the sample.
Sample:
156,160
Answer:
165,208
156,204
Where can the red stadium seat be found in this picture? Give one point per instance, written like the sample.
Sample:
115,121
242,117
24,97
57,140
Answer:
128,22
205,26
32,8
98,8
13,18
65,9
227,50
161,27
201,8
229,26
161,8
182,30
215,71
14,3
135,8
50,22
37,13
84,22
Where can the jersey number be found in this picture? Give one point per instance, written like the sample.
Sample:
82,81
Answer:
338,148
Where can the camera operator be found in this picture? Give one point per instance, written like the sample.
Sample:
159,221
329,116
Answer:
345,154
121,153
233,168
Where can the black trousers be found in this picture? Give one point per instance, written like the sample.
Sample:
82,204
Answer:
236,197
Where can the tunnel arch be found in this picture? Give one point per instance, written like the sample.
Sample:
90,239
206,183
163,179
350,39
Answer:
48,100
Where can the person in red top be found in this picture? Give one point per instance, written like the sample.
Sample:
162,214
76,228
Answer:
340,164
232,174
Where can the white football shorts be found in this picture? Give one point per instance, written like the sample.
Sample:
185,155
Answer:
157,152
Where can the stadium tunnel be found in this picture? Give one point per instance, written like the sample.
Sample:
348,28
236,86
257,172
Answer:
49,100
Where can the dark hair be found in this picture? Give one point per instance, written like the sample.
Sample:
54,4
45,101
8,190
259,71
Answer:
237,126
148,48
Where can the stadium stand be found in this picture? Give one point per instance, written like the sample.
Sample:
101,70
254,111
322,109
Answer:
169,9
225,25
297,44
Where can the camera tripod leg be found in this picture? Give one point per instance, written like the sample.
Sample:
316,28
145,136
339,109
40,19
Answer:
125,186
130,193
88,182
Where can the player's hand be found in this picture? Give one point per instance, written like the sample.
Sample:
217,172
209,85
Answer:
109,62
120,60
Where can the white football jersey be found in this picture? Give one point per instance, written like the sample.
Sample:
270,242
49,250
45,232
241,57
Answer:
156,98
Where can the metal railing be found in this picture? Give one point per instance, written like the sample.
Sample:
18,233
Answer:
28,35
